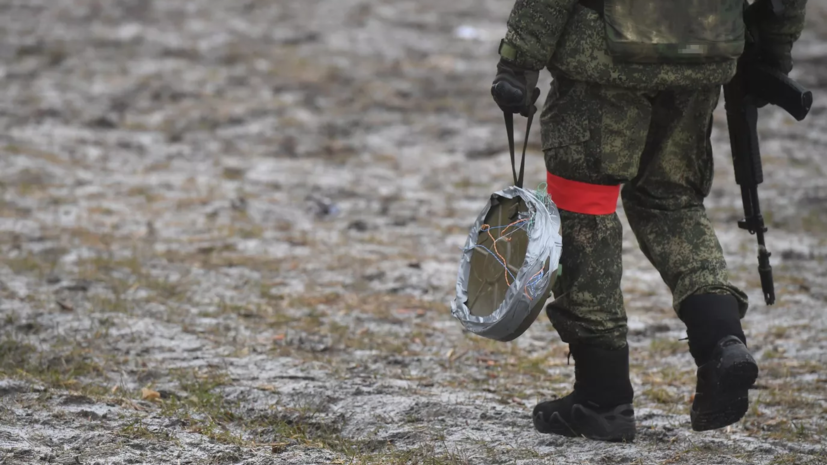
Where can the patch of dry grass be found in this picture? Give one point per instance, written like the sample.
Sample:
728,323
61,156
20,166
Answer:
72,368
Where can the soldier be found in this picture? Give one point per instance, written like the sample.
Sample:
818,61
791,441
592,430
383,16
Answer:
635,85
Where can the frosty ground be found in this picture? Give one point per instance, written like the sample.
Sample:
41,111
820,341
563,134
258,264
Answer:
229,233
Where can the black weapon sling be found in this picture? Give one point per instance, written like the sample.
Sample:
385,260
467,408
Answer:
509,128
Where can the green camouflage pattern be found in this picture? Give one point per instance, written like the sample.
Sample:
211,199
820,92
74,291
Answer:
572,40
690,31
534,27
588,303
657,144
690,52
582,54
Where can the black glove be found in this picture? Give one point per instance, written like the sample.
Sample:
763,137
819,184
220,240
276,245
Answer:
515,89
773,50
777,55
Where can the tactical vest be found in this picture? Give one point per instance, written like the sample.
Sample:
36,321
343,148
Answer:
672,31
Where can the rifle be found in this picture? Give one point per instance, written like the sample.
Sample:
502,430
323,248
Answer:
753,86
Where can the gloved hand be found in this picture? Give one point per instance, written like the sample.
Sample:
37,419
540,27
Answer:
515,89
769,45
777,55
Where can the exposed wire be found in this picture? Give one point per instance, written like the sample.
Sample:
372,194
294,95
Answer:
504,233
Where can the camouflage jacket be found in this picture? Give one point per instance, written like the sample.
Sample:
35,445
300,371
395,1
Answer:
571,39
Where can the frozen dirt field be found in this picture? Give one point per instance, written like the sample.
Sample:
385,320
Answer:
229,233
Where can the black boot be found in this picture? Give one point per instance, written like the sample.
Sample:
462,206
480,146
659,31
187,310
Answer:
600,407
726,370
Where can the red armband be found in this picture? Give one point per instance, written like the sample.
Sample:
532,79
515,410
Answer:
581,197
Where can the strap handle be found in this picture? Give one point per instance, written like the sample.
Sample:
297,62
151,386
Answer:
509,128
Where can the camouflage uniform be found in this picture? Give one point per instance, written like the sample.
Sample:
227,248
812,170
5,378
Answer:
644,125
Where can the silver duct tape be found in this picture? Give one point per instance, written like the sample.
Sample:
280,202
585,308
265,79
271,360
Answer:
518,310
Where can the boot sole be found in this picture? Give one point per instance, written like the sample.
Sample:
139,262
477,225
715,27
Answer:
740,377
734,394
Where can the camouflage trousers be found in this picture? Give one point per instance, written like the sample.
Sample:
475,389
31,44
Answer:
656,144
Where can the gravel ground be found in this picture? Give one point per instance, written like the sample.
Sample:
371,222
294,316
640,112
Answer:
229,233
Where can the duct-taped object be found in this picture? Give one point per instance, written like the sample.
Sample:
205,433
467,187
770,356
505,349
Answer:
508,264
